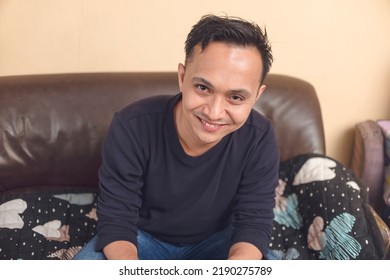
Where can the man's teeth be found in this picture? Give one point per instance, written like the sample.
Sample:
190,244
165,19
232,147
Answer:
210,125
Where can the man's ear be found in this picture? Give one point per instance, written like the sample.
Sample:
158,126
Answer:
260,91
180,75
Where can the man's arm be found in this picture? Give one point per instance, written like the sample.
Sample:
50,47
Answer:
119,184
255,200
121,250
244,251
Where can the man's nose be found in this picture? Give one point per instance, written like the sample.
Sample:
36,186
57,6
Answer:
216,107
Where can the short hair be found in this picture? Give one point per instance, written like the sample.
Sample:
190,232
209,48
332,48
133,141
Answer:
230,30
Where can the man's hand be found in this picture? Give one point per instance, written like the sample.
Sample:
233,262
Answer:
244,251
121,250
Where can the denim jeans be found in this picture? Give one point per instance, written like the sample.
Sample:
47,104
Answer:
215,247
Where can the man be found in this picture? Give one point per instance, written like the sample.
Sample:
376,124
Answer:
193,176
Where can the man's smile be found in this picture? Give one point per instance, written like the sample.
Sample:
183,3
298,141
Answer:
209,126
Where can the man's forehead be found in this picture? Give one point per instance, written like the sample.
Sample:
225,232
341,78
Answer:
217,46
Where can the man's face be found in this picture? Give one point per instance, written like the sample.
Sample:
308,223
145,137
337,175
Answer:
219,87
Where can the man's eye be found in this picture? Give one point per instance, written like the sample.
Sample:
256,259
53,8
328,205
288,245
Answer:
202,87
237,98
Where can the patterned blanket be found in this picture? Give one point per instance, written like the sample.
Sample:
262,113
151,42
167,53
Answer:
46,225
321,213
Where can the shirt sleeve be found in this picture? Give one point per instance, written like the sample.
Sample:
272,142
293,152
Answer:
120,180
255,200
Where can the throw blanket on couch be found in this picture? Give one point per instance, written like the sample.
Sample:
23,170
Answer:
321,213
46,225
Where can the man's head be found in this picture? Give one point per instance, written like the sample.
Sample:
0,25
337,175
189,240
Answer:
220,81
229,30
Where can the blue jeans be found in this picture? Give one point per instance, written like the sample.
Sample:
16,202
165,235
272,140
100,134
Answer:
215,247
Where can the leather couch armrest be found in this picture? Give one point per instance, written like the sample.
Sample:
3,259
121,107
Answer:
367,160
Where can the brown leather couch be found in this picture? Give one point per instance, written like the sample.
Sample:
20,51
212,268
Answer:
52,126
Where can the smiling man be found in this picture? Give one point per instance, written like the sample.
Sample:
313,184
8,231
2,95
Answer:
220,85
193,176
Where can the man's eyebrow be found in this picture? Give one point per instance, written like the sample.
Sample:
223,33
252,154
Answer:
203,81
241,91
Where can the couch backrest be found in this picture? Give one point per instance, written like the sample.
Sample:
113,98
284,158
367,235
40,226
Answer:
52,126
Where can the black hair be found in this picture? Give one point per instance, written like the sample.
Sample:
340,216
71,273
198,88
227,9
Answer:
231,30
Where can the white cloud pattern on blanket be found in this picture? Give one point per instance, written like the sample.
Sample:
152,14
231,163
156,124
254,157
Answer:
315,169
9,214
49,229
353,185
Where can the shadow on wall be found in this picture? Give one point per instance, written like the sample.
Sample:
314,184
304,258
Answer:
387,102
345,139
349,135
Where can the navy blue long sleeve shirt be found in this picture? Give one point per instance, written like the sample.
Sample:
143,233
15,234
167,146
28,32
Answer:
147,180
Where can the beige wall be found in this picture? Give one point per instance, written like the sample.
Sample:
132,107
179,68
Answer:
341,46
